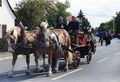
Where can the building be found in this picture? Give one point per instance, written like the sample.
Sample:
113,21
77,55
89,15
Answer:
7,17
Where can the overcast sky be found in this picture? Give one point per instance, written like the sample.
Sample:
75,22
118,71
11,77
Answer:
96,11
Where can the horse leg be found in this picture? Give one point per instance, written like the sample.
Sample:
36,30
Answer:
66,65
28,72
44,60
49,65
13,65
57,65
37,63
66,62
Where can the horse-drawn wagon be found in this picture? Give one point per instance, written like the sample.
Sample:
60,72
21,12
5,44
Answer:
82,51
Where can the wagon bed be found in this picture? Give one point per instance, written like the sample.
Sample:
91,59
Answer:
84,50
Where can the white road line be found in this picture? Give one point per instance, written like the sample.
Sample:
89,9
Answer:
66,74
118,53
10,57
1,59
102,60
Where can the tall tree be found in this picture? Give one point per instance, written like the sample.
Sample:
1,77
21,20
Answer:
62,7
117,23
0,2
33,12
109,25
83,20
101,27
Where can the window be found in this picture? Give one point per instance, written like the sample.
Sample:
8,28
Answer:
4,28
0,3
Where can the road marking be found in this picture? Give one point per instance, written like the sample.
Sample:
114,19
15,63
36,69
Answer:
118,53
1,59
102,60
67,74
10,57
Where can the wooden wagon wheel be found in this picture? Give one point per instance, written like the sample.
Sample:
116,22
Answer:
89,57
77,60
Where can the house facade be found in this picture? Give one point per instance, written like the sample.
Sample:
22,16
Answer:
7,17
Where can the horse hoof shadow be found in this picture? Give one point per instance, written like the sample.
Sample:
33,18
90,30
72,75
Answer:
65,69
28,73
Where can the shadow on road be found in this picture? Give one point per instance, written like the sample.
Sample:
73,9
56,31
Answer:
21,76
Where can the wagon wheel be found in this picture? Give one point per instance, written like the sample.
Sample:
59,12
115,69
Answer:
77,61
89,57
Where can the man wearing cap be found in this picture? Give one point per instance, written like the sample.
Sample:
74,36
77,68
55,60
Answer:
61,23
73,27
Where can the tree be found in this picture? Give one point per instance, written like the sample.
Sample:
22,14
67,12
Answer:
80,15
101,27
107,26
117,23
33,12
53,16
0,2
83,20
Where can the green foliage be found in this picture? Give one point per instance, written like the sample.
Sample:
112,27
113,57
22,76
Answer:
84,20
102,27
107,26
61,11
117,23
33,12
0,2
3,45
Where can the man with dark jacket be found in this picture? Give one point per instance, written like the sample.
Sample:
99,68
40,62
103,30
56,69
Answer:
73,24
73,27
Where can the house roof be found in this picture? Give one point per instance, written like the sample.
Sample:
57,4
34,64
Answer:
11,8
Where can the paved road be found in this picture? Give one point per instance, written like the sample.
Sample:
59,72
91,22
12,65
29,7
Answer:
104,67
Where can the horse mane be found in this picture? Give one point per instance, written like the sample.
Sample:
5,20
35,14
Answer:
22,35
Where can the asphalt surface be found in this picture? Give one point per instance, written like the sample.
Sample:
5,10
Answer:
104,67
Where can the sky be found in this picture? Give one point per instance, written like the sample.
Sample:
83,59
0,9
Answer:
97,11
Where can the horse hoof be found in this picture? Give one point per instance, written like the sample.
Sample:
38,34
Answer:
49,74
77,66
28,73
65,69
10,76
55,71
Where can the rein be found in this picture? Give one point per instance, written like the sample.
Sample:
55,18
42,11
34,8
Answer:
31,35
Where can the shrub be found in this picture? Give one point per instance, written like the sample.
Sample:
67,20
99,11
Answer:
3,45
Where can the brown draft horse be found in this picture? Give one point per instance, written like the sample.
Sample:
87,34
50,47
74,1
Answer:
65,40
69,54
50,45
19,43
57,43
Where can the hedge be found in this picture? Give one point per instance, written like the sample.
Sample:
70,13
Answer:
3,45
